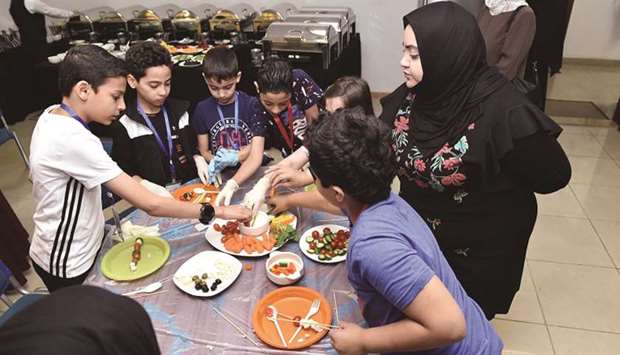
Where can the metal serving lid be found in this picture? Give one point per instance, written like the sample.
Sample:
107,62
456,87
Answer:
335,20
186,20
111,17
266,18
235,18
146,21
346,11
96,13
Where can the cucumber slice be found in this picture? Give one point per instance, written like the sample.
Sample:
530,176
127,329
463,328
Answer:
328,238
310,251
321,257
309,239
320,245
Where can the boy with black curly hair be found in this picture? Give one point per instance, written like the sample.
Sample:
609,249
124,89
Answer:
410,297
154,139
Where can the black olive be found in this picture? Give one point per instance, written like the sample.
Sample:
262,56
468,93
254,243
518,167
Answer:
205,276
218,281
205,288
214,287
198,287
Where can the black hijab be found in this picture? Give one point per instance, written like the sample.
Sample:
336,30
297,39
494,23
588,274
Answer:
80,320
456,76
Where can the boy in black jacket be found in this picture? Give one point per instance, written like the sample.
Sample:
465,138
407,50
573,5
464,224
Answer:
154,139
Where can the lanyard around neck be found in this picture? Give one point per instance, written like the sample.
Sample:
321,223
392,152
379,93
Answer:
167,153
288,138
74,114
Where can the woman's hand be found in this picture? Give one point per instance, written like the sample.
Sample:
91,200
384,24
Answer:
235,212
347,340
279,203
289,177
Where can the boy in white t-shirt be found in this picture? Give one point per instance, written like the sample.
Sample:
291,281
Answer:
69,164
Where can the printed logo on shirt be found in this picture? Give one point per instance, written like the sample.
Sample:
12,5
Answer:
300,123
225,134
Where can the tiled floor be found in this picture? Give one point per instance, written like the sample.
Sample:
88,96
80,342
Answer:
569,302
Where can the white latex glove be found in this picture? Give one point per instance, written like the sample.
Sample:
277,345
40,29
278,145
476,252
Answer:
227,193
202,167
156,189
256,197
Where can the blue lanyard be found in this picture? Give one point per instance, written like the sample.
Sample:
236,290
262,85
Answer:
158,139
74,114
219,112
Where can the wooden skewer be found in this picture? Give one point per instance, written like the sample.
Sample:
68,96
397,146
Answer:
322,325
234,325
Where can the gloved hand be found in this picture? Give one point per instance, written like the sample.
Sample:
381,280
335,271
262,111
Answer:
212,172
202,167
156,189
226,157
227,192
256,197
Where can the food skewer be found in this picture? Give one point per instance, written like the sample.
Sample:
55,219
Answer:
136,254
243,334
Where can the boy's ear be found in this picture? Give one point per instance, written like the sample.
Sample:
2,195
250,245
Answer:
131,80
256,86
339,193
82,88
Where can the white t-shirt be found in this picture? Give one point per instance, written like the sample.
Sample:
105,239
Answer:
68,166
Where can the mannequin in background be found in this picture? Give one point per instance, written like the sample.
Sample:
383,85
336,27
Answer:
29,16
508,28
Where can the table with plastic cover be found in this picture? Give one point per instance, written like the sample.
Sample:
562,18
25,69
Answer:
188,325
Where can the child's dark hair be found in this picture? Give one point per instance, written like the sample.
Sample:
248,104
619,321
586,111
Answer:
146,55
353,91
89,63
220,63
275,75
352,150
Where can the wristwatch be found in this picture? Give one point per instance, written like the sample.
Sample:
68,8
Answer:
207,212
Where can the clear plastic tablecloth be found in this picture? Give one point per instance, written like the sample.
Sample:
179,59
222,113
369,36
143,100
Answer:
185,324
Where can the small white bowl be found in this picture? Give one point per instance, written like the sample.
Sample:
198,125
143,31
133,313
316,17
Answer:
283,280
260,227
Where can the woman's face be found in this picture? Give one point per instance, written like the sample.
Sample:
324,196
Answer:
410,61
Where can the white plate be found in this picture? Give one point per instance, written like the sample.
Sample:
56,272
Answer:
215,239
304,246
213,263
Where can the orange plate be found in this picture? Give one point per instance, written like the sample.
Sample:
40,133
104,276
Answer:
178,193
292,301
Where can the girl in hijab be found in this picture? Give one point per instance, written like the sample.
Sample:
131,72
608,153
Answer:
471,152
508,28
80,320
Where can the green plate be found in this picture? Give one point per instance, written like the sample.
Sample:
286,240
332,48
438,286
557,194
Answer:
115,264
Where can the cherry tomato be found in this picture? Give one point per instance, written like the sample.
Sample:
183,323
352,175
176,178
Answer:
326,230
315,234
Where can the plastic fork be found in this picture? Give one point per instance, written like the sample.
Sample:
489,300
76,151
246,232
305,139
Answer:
314,308
274,318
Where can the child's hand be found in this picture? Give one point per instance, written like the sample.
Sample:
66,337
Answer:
347,339
288,177
279,203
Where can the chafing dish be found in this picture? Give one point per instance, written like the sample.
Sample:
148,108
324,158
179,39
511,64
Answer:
303,42
79,27
146,24
109,25
346,12
337,21
266,18
236,18
186,24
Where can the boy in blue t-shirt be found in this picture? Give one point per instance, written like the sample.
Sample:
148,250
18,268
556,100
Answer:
227,135
410,297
